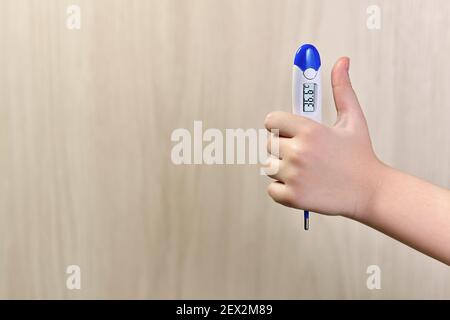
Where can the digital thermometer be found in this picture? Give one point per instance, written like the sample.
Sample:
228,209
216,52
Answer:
307,89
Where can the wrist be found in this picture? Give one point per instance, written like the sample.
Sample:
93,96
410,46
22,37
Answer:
372,191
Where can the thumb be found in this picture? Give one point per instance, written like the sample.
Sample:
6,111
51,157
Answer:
345,99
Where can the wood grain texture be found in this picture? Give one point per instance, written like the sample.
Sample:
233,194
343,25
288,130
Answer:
85,124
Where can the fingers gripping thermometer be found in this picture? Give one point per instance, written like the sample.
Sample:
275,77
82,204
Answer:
306,89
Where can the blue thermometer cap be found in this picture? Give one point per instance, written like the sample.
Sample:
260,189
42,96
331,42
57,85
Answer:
307,57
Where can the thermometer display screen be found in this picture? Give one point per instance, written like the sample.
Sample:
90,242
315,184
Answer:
309,97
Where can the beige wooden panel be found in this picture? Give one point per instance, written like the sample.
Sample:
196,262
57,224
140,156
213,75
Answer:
85,124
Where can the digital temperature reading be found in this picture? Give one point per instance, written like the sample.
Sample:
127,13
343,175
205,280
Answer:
309,97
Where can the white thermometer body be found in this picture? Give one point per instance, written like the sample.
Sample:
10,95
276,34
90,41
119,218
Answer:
307,89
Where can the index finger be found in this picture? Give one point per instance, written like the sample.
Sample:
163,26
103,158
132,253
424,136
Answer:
287,123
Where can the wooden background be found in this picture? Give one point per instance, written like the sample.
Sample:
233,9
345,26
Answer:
85,123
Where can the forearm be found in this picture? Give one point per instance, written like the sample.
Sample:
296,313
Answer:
412,211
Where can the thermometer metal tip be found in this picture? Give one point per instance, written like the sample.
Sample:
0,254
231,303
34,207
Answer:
306,219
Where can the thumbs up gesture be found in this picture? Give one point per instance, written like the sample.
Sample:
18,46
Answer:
329,170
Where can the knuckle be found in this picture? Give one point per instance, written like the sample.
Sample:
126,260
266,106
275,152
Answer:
307,155
271,190
308,131
279,196
296,148
270,119
313,131
291,178
300,154
295,153
282,197
288,200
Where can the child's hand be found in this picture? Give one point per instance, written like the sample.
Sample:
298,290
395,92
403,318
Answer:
322,169
335,171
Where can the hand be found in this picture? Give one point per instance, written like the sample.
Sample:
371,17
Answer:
326,170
